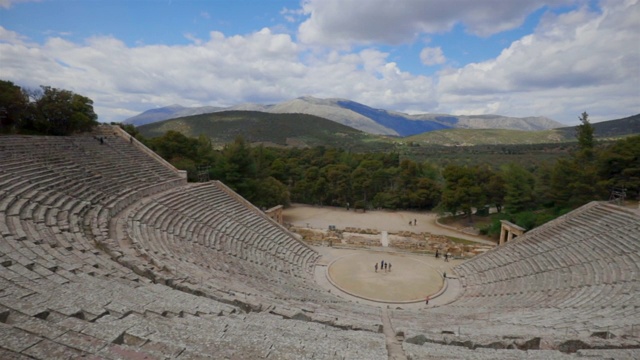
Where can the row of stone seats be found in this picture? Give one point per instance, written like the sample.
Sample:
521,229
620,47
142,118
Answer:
82,166
67,315
45,203
564,245
438,351
580,258
211,226
201,234
61,295
573,276
55,223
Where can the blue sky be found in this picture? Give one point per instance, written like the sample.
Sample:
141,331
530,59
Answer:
552,58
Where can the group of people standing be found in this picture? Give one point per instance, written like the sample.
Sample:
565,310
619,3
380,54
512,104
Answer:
383,266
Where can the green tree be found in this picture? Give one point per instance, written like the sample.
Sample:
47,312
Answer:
278,170
364,179
619,166
131,130
574,184
496,191
427,194
13,105
574,180
543,184
339,179
271,192
175,144
239,169
519,186
62,112
462,192
584,134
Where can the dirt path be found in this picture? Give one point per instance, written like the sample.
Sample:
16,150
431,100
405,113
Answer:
321,217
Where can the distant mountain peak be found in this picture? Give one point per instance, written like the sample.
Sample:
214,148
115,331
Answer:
360,116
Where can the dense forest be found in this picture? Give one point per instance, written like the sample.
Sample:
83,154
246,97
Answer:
528,194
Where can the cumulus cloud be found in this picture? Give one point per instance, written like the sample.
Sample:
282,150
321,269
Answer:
582,60
345,22
432,56
572,62
262,67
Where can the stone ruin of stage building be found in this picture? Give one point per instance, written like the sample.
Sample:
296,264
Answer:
424,243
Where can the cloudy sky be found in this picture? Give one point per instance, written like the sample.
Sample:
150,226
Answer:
554,58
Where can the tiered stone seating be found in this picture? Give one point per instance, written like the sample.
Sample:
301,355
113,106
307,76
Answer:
63,315
108,253
64,291
573,276
438,351
202,234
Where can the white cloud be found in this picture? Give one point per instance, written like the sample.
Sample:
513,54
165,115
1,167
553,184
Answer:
8,36
260,67
578,61
291,15
573,62
432,56
345,22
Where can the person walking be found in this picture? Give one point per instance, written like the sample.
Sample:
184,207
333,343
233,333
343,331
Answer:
426,302
376,267
389,267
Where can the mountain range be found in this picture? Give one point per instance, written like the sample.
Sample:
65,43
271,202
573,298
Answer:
359,116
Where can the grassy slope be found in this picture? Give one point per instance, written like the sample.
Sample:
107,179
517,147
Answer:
467,137
270,129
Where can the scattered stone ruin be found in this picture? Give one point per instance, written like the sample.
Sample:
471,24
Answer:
275,214
421,243
509,230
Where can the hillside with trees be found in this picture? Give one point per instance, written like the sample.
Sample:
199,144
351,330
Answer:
527,193
275,130
608,129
